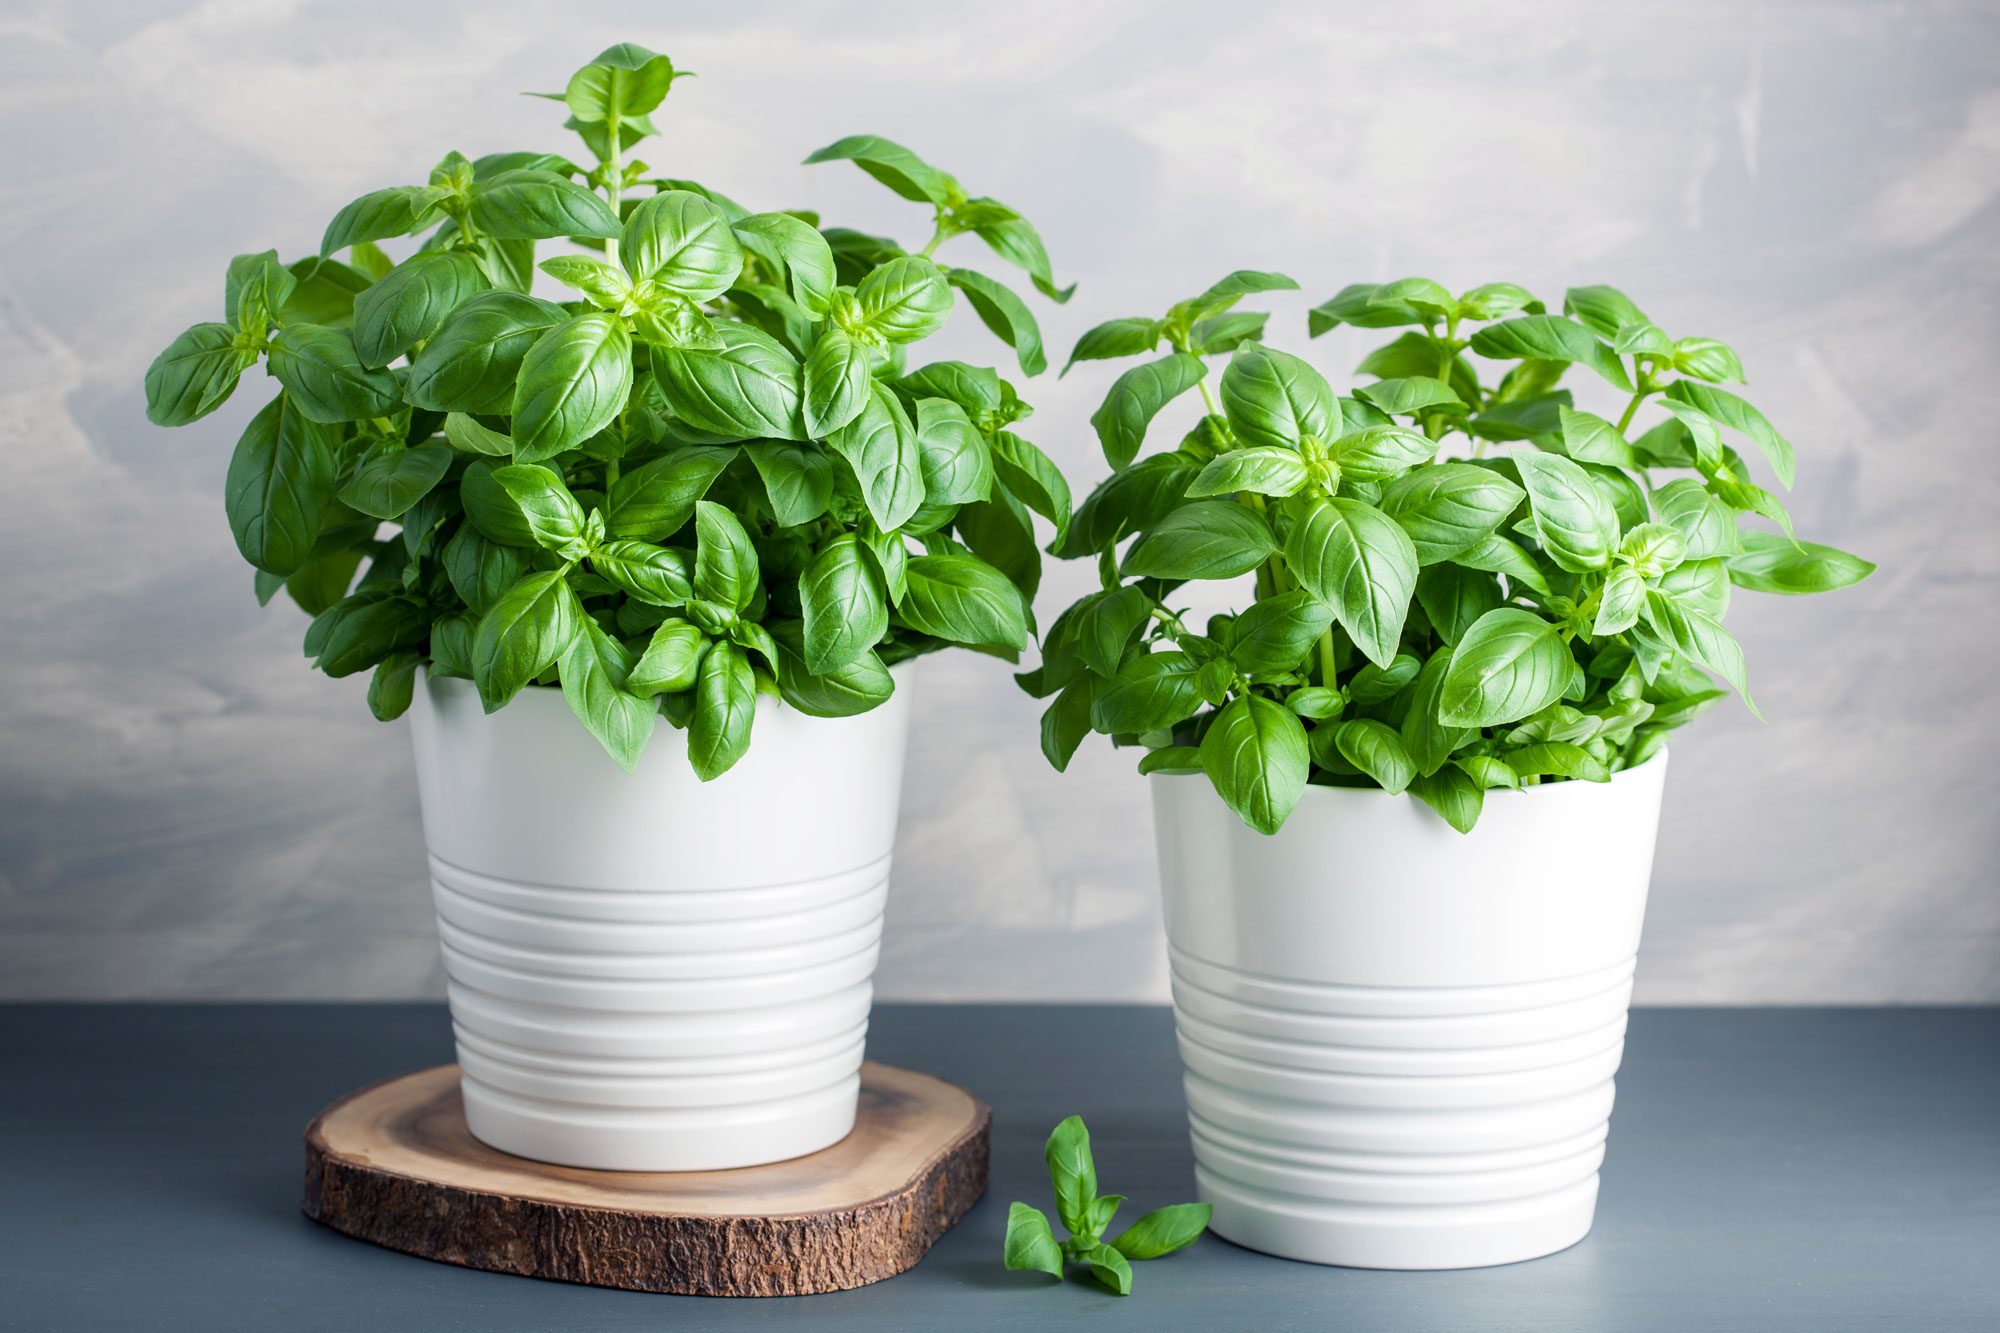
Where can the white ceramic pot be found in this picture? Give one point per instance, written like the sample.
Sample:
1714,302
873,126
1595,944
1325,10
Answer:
1399,1040
648,972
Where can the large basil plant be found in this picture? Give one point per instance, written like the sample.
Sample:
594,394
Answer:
1464,581
697,476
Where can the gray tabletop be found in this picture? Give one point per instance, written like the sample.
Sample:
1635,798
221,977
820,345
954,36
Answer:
1769,1169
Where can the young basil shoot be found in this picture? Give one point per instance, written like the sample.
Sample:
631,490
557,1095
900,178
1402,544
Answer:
696,476
1428,617
1087,1216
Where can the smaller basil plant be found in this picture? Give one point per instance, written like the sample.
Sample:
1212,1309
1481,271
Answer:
1430,617
696,475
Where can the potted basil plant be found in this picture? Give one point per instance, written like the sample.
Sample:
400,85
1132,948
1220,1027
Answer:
1406,796
691,474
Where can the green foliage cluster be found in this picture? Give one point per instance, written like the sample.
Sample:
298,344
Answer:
697,476
1086,1215
1430,617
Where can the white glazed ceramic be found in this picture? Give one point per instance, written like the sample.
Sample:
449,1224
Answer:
1399,1040
648,972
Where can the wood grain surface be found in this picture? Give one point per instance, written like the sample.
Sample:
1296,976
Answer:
394,1164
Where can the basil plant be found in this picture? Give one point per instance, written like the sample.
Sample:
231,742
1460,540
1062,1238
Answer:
696,474
1464,581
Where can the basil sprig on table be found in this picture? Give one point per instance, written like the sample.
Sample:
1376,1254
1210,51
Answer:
697,475
1463,580
1087,1216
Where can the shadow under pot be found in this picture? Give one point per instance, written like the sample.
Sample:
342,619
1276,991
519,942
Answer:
648,972
1399,1040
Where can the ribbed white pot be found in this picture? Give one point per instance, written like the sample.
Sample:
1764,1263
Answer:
1399,1040
648,972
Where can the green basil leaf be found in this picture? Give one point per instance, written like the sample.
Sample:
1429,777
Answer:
1072,1173
747,388
527,204
396,211
1357,304
793,242
964,600
1427,738
1276,400
523,635
468,436
479,569
1033,477
1005,315
846,609
1495,299
725,707
1551,338
625,81
654,501
1739,416
1208,539
393,686
1104,625
1255,754
1275,634
1226,292
1114,338
1109,1268
1264,470
678,240
195,375
892,164
1377,684
881,446
1450,508
1413,396
1555,759
1498,555
1509,665
1377,453
554,518
1030,1245
1454,598
1377,750
1704,523
605,284
1621,601
837,382
1592,439
1707,359
410,303
1604,310
1152,692
1359,561
1576,524
1698,636
1171,759
798,480
1136,397
725,563
1163,1231
472,361
280,481
657,575
855,688
956,462
671,661
392,478
325,377
574,382
1456,797
1770,563
903,300
362,630
491,509
1129,501
595,671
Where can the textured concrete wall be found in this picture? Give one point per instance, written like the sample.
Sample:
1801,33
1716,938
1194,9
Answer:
186,811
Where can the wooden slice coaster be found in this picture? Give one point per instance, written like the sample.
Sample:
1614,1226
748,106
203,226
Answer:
394,1164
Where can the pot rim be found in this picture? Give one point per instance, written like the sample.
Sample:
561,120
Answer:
1320,792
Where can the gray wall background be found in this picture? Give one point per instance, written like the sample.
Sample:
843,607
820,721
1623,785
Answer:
186,811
